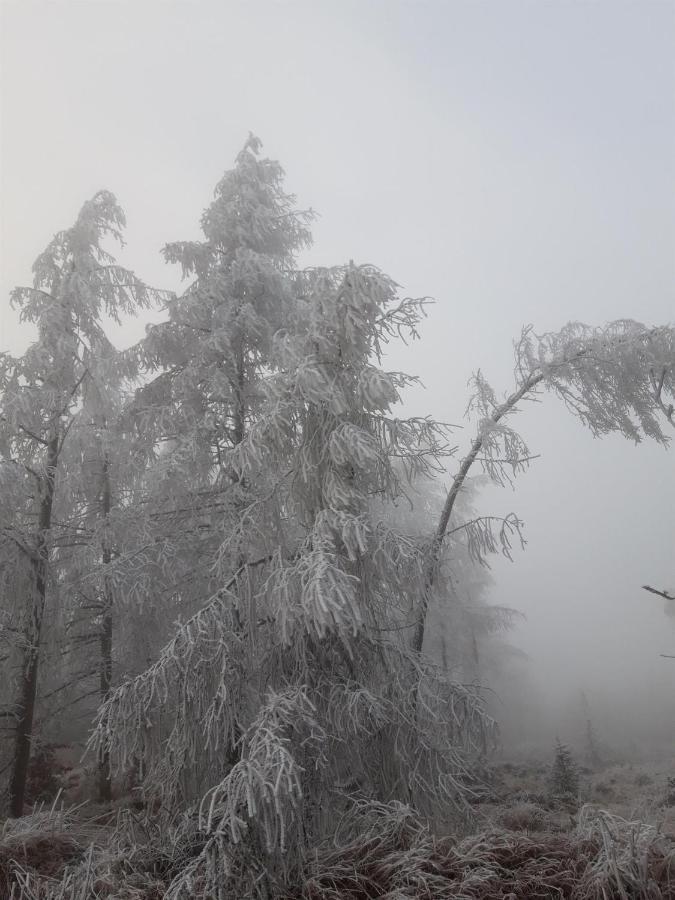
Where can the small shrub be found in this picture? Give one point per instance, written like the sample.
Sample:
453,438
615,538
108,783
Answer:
524,817
602,789
44,775
542,800
642,780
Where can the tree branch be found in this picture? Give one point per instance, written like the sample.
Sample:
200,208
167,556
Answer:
665,594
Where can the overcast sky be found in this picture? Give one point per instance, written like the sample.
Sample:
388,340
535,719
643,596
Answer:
515,160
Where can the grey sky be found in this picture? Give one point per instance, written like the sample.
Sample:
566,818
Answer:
513,159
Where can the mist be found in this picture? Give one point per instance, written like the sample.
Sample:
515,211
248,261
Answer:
512,161
515,162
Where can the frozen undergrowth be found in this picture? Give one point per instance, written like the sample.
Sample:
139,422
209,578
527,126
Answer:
378,850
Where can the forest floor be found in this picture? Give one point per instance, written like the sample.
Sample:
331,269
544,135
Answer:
616,840
637,792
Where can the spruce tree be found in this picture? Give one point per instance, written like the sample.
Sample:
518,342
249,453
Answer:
564,775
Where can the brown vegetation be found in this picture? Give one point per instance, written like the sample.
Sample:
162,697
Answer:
604,857
41,844
524,849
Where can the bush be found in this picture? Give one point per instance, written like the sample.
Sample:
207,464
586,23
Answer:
524,817
603,789
44,775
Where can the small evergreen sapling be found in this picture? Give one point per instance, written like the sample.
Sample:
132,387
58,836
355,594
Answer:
564,776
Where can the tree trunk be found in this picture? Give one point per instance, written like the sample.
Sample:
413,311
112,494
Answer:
240,399
31,661
106,639
457,484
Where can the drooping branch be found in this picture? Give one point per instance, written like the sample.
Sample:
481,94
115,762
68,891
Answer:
657,385
665,594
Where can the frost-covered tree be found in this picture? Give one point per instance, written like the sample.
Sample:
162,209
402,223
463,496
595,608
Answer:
617,379
106,464
209,355
204,371
299,659
278,454
564,774
76,282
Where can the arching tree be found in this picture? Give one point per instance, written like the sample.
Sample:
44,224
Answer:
617,379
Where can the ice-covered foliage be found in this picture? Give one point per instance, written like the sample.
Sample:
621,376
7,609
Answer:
205,369
217,340
294,685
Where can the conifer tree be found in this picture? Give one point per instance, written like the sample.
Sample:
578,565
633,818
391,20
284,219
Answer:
206,365
299,658
564,775
210,353
76,282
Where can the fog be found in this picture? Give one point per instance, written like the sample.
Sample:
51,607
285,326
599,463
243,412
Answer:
513,160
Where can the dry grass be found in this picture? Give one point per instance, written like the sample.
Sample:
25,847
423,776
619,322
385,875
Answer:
42,845
46,854
396,857
129,858
528,846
